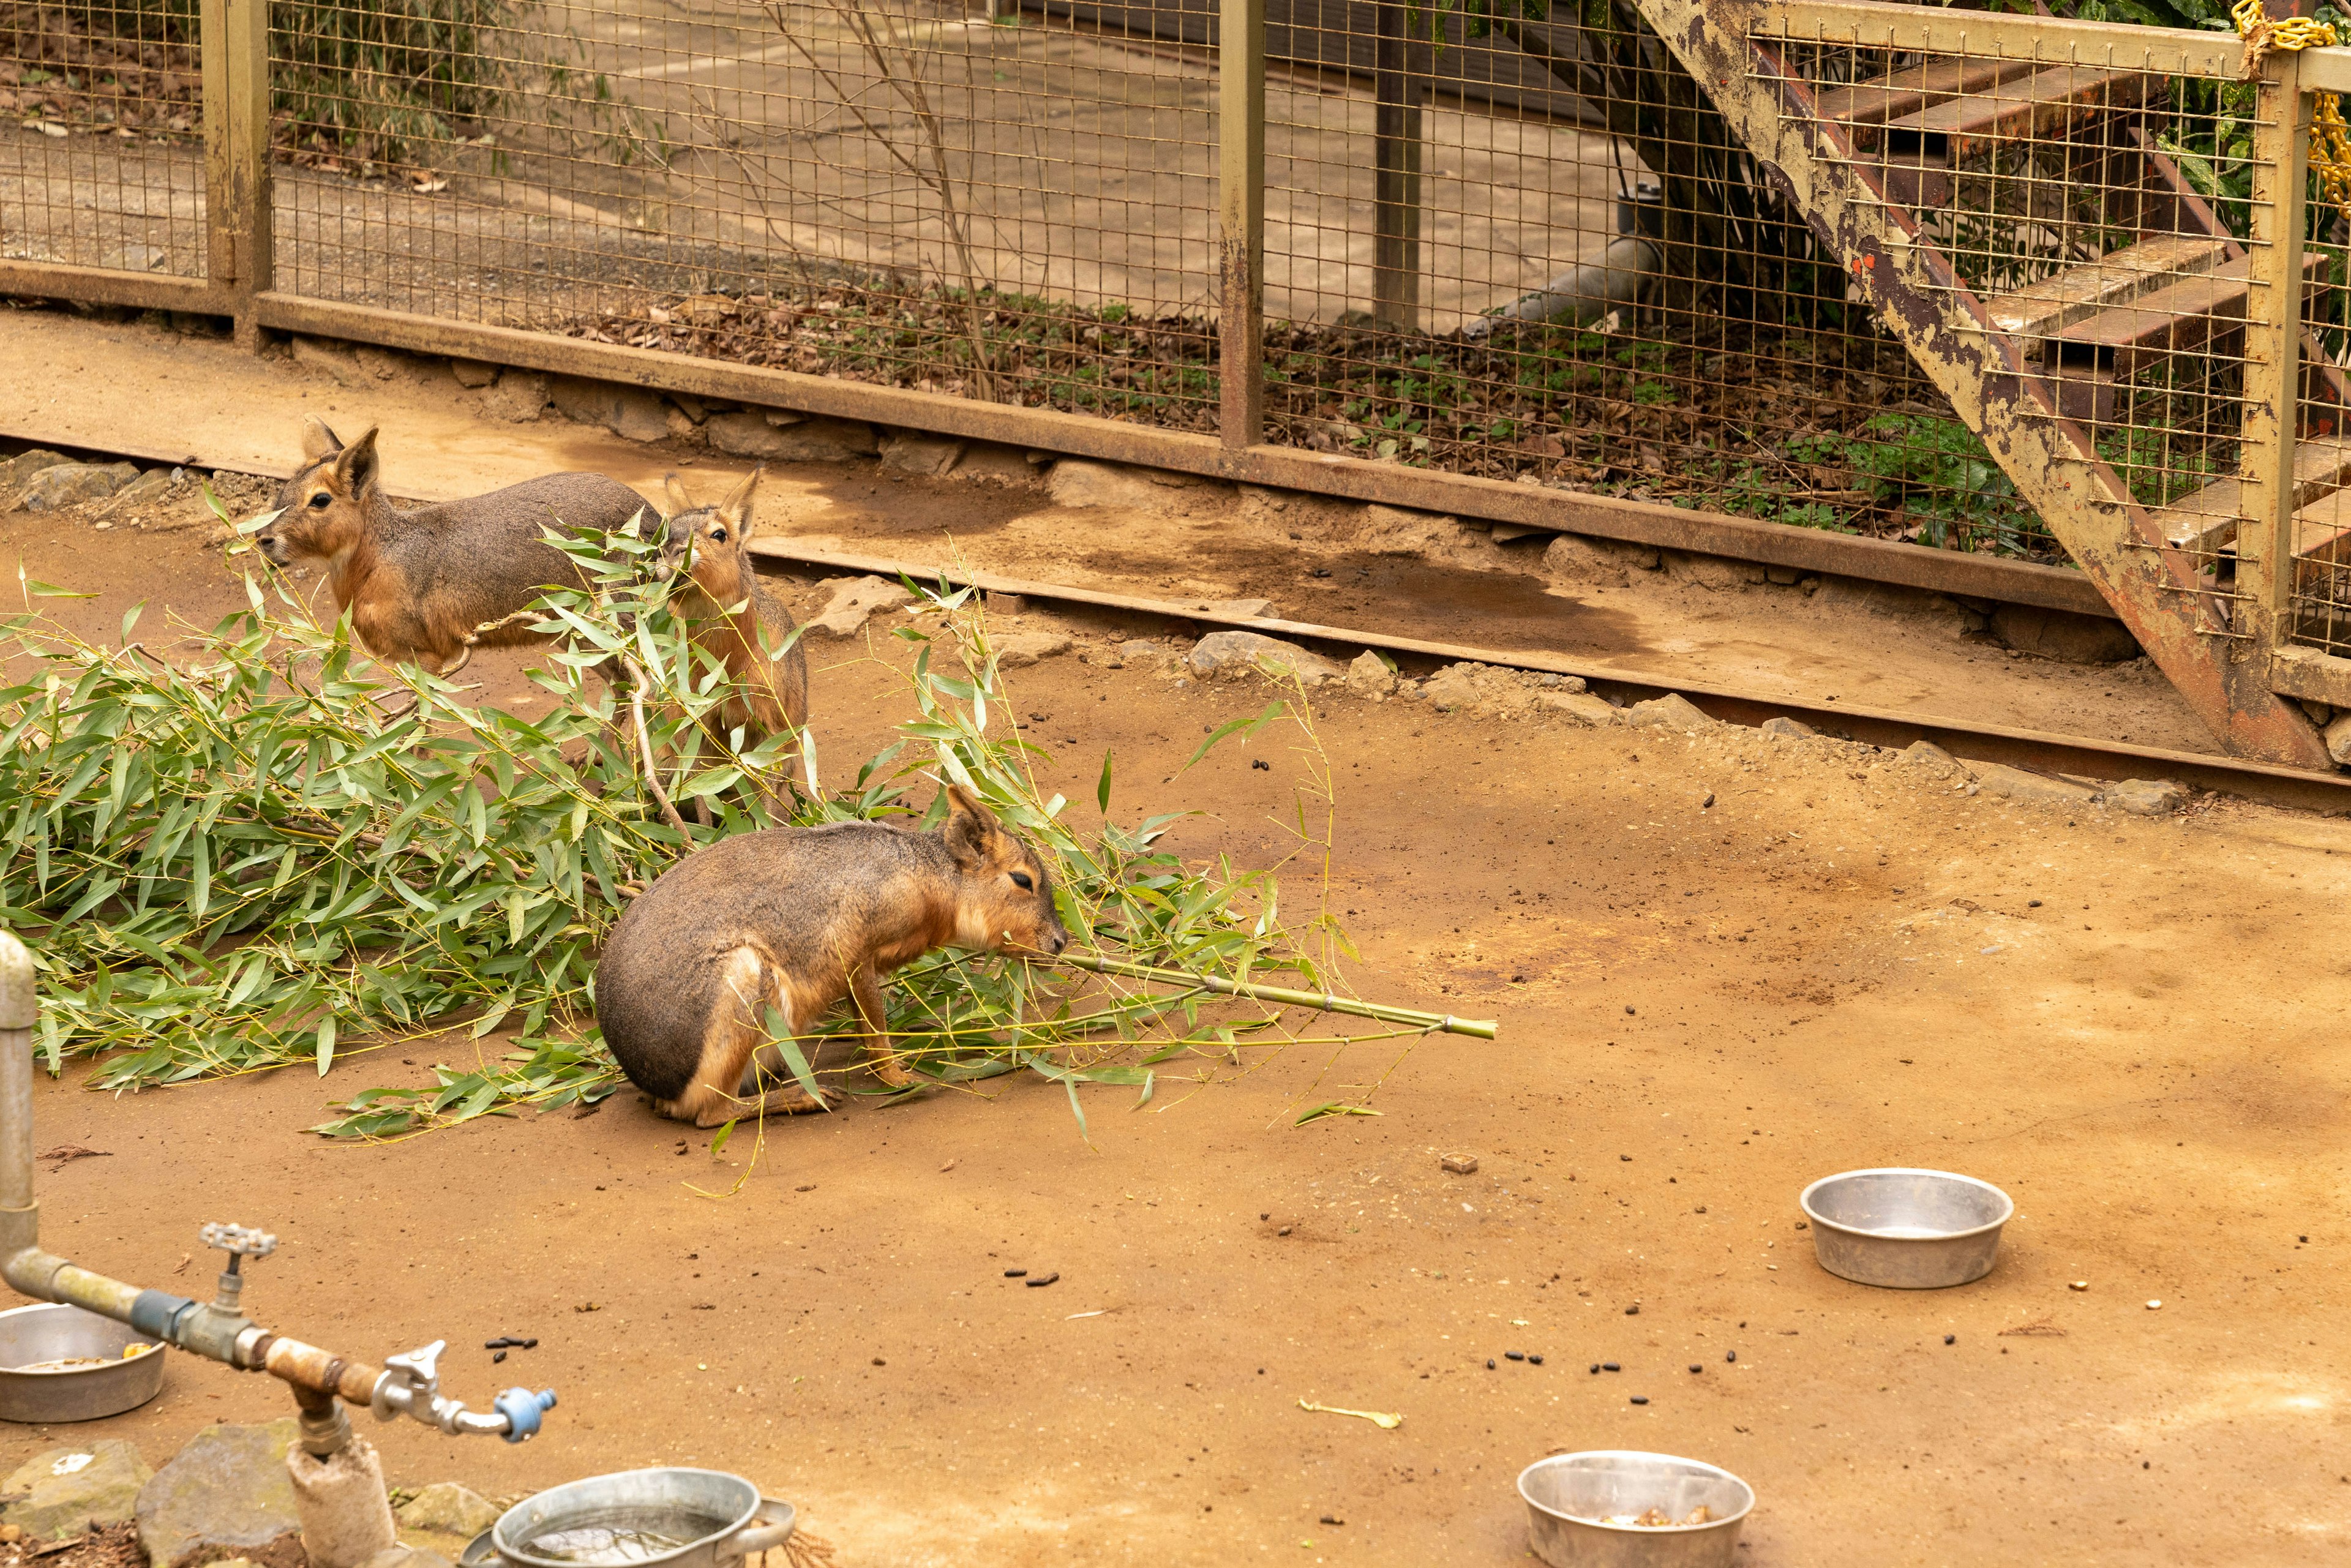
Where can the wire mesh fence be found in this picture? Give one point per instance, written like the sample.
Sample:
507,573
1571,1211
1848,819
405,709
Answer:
101,135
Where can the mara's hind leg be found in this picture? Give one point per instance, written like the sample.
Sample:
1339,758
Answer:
734,1033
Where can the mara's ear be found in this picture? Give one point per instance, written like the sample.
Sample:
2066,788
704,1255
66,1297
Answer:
318,441
355,465
679,501
972,834
736,508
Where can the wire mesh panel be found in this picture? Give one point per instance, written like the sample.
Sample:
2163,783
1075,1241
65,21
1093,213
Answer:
2098,215
101,135
1007,207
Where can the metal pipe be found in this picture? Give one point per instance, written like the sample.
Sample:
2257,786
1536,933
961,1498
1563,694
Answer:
405,1385
1584,293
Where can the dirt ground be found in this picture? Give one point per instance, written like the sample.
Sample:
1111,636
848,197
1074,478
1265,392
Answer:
1699,1003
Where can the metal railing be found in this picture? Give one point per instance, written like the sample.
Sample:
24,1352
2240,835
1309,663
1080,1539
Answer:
1510,268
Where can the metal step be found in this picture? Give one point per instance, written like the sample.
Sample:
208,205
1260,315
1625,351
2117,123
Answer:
2205,523
2039,310
2044,104
1914,88
2176,319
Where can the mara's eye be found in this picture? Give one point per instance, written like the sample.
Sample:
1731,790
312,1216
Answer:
718,536
321,501
1020,879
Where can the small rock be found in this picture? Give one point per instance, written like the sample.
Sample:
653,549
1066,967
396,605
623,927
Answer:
227,1488
917,452
65,1492
630,412
854,600
692,407
1370,677
447,1508
1784,576
2062,635
1023,649
1672,711
1572,557
1459,1164
683,428
1141,650
2338,734
520,397
17,472
1454,686
473,373
2016,784
1075,482
750,435
990,464
385,364
148,488
1006,603
72,484
1230,609
1582,706
1780,724
2148,796
1236,653
1931,756
1713,573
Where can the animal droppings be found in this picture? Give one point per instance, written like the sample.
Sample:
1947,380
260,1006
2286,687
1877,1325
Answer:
1490,1364
1610,1366
1731,1355
1696,1367
1640,1400
1595,1369
499,1357
1014,1273
1514,1355
1042,1280
1950,1339
1634,1310
1534,1361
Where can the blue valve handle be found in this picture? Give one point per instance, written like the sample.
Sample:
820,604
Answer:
522,1409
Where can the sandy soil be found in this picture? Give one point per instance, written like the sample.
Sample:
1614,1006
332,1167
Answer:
1841,962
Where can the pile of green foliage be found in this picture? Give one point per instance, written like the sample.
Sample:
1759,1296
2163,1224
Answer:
261,854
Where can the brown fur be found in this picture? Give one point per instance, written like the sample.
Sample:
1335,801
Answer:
797,919
419,585
733,616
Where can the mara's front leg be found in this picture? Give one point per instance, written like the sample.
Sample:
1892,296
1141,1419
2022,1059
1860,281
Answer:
865,988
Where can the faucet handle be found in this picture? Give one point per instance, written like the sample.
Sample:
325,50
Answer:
418,1368
238,1241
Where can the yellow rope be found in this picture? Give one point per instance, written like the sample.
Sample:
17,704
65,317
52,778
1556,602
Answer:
2330,137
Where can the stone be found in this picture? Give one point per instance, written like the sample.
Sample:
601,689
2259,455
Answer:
1005,603
1572,557
916,452
1780,724
1236,653
19,471
1582,706
1784,576
445,1508
854,602
72,484
2338,739
1927,752
1076,482
227,1492
994,464
473,373
2060,635
692,407
335,360
681,428
1715,573
631,412
520,397
2016,784
1672,711
1229,609
65,1492
384,364
1142,650
2148,796
1459,1164
346,1516
1023,649
1454,686
1370,677
749,433
144,491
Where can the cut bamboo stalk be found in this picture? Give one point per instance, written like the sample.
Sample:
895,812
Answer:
1322,1001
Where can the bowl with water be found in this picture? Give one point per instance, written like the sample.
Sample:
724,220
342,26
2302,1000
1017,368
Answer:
676,1517
1905,1229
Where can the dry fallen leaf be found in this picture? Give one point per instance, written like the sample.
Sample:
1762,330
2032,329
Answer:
66,1154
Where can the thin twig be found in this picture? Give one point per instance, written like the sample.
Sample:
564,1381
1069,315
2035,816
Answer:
637,683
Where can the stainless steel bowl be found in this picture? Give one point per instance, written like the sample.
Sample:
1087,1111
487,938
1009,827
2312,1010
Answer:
1570,1497
676,1517
49,1331
1907,1230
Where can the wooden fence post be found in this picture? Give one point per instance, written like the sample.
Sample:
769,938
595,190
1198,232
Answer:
1240,188
2272,424
1397,92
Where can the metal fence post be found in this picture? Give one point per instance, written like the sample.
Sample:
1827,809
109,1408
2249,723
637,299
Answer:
244,39
1241,186
2265,534
1397,91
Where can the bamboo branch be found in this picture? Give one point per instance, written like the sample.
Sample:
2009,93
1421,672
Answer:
1321,1001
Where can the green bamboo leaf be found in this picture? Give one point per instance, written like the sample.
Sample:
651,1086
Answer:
326,1047
1335,1108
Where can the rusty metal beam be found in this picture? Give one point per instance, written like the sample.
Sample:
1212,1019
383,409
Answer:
2080,755
1920,300
102,286
1531,505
